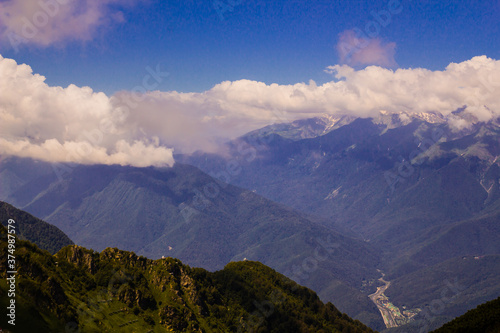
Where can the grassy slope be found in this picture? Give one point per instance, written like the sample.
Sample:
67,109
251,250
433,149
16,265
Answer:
117,291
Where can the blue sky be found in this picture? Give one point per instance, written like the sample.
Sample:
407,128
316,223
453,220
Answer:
129,82
282,42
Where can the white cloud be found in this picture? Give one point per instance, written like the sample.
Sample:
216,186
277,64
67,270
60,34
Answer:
127,128
45,22
190,121
67,124
356,51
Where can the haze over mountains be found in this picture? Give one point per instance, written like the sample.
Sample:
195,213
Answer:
411,195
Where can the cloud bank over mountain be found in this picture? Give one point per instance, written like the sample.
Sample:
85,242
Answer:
76,124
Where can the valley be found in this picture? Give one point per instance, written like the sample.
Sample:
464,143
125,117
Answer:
390,313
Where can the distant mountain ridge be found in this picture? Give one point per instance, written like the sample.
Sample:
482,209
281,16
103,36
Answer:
184,213
320,171
304,128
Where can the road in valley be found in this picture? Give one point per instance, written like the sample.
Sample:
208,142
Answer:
383,304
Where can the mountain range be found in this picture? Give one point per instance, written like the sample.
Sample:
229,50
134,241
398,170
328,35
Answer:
170,213
414,186
341,205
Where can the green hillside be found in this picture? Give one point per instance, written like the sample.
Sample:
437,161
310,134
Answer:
483,319
44,235
117,291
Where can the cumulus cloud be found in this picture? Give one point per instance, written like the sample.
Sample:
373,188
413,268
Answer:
46,22
78,125
359,51
70,124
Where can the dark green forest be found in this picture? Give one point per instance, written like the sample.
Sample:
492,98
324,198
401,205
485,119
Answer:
46,236
483,319
118,291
